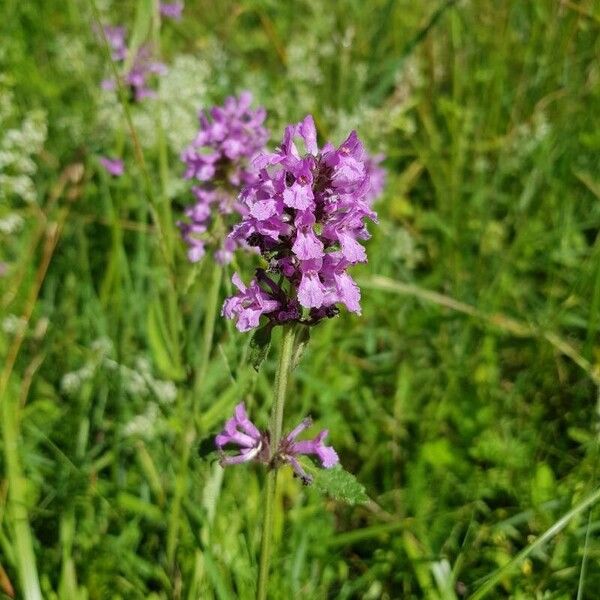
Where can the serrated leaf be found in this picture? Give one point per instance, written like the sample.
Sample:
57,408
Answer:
259,346
339,484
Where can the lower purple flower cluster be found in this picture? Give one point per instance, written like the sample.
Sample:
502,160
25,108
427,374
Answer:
254,445
306,213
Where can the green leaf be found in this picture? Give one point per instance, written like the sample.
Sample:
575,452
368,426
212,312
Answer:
302,339
163,349
340,485
141,31
259,346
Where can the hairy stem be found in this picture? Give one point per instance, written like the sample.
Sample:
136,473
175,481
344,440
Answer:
282,376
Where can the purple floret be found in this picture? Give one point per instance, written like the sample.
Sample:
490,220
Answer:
290,449
116,40
143,68
248,304
240,431
171,10
306,212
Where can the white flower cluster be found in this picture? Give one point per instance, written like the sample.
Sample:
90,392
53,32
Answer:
138,381
20,142
144,424
11,223
13,324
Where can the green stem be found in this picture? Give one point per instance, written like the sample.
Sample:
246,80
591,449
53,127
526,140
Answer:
282,376
17,500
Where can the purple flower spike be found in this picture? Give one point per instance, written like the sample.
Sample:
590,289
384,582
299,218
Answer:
113,166
241,432
171,10
220,160
306,212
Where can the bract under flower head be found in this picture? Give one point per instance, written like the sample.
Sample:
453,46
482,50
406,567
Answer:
306,212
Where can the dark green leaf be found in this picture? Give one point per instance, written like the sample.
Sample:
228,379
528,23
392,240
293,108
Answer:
259,346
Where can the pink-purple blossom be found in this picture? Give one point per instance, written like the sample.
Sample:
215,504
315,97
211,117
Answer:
253,445
115,35
377,177
171,10
113,166
248,304
290,449
142,69
306,212
220,161
240,431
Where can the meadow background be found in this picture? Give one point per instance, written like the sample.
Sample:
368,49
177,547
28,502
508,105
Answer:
465,398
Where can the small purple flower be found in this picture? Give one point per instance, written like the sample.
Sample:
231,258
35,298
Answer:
306,212
113,166
3,269
220,160
171,10
248,305
241,432
115,36
143,68
290,449
254,445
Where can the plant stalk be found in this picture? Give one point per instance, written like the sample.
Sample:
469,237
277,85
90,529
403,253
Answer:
282,376
17,503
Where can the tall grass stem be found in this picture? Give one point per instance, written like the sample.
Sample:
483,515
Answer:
23,537
189,434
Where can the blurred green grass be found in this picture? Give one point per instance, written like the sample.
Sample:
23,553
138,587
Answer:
472,437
